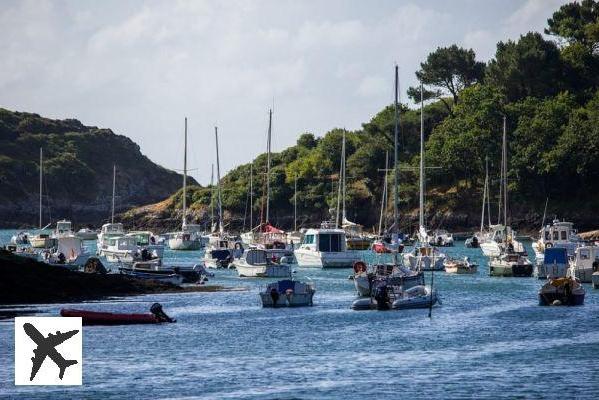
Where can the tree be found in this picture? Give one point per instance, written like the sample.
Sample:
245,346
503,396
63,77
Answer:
529,67
448,70
576,22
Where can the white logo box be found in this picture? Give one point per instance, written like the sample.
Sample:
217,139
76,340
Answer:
70,350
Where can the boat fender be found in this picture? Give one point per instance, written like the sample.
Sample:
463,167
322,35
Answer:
359,266
274,295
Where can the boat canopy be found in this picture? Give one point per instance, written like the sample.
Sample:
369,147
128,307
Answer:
256,257
556,255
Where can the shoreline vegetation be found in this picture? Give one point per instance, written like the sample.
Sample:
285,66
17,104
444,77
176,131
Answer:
26,281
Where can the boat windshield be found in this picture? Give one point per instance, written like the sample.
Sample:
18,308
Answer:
330,242
308,239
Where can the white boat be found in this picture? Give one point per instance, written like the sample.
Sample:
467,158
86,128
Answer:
221,251
63,228
187,238
255,263
87,234
287,293
441,238
510,264
454,266
555,264
501,239
23,251
585,263
121,249
325,248
425,258
366,277
69,253
397,298
558,234
146,240
20,238
107,232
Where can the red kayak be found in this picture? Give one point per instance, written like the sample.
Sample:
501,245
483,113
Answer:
106,318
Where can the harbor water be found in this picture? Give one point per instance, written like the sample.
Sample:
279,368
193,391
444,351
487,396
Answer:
488,339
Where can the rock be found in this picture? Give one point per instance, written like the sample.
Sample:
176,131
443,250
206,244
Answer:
94,266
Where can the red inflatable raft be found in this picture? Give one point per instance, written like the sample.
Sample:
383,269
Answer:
107,318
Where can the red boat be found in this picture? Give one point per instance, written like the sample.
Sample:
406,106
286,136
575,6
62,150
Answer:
379,247
106,318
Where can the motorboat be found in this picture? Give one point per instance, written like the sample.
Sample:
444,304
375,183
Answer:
63,228
267,237
510,264
555,264
558,234
255,263
191,273
455,266
146,240
165,276
221,251
156,315
566,291
366,277
288,293
68,253
585,263
107,232
472,242
87,234
441,238
20,238
121,249
325,248
387,297
425,258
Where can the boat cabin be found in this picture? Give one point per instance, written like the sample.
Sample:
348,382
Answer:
559,232
63,227
122,243
143,238
324,240
112,228
587,257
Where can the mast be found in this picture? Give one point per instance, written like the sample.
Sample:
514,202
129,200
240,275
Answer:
212,199
220,204
421,216
113,191
396,163
268,165
485,188
185,177
252,195
504,171
339,190
41,178
343,215
295,204
384,197
488,190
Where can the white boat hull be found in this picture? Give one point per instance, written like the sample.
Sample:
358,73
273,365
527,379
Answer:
262,271
310,258
490,249
125,256
424,263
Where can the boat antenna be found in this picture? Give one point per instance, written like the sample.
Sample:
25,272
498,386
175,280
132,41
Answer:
113,191
396,163
482,217
505,170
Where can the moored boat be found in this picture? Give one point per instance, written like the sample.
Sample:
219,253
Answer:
256,263
560,234
565,291
325,248
455,266
584,263
288,293
366,277
554,265
87,234
510,264
156,315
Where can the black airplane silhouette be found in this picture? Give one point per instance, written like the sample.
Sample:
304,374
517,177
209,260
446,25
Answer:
46,347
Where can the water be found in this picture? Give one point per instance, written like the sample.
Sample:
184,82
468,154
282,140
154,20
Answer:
488,339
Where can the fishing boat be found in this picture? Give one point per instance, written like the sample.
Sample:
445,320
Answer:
441,238
107,232
156,315
510,264
560,234
68,253
455,266
120,249
555,264
187,238
565,291
63,228
256,263
424,257
20,238
146,240
585,263
396,275
325,248
288,293
87,234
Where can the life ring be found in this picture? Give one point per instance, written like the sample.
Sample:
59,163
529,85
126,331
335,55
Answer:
548,245
359,266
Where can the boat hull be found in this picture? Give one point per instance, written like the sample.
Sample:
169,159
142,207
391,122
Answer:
425,263
310,258
104,318
263,271
510,270
547,299
293,300
460,269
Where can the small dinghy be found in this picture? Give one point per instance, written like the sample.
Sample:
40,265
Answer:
565,291
164,275
454,266
472,242
156,316
395,297
287,293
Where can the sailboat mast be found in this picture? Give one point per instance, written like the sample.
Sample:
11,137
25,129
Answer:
482,217
384,197
421,216
268,166
220,204
185,176
113,191
339,190
488,190
343,215
396,162
41,178
295,204
505,171
251,195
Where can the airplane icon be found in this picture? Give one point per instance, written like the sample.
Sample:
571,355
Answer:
46,348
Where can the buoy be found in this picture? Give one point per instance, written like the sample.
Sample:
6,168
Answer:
556,303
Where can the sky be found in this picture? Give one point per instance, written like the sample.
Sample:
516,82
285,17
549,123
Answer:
141,67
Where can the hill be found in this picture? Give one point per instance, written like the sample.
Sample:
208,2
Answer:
78,162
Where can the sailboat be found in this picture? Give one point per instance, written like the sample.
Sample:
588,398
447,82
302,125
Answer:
424,257
295,237
43,239
508,256
189,238
481,236
222,249
354,237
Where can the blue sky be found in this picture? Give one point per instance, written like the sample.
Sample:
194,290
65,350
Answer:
140,67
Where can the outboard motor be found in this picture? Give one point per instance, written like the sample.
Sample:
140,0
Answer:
274,295
382,298
160,315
